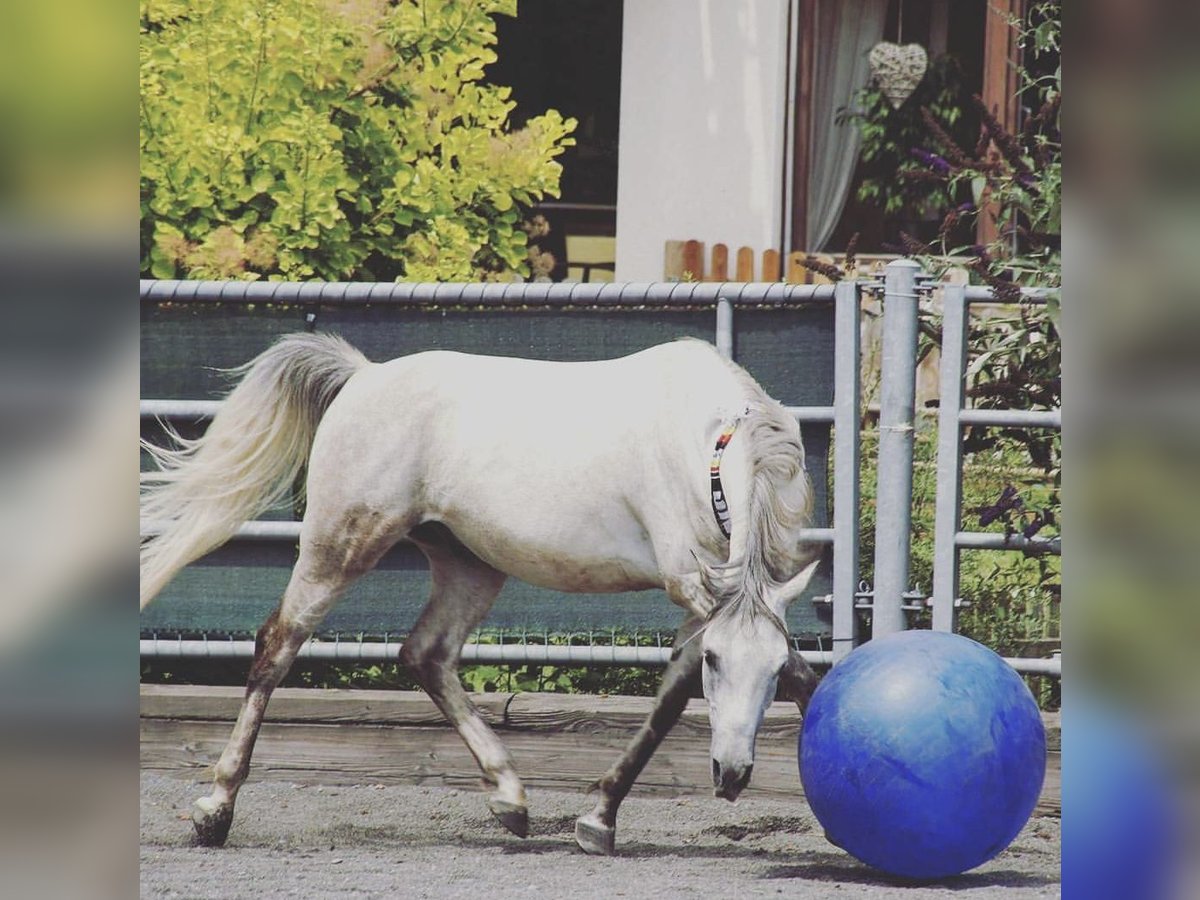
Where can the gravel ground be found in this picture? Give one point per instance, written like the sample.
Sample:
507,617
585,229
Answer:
403,841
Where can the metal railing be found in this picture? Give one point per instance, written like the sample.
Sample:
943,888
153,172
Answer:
724,298
383,651
887,601
952,417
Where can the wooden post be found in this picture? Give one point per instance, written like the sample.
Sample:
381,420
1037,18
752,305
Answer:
770,265
673,261
802,122
1001,59
745,264
796,273
720,263
693,260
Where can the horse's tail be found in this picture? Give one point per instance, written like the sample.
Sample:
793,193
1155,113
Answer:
249,458
768,557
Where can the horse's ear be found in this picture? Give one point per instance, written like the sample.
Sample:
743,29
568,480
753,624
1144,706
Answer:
784,594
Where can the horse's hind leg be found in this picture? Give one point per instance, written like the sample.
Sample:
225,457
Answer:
320,577
464,587
596,831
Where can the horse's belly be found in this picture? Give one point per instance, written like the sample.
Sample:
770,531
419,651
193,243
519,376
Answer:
575,557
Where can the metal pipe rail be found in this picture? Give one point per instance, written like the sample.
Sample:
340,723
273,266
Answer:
206,409
524,294
269,530
385,651
1013,418
512,654
987,540
979,294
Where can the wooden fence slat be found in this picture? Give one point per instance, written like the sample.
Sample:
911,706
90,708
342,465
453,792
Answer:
720,263
796,273
673,261
770,265
693,260
745,264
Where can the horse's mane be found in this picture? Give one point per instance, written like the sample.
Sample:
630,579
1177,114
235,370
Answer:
780,505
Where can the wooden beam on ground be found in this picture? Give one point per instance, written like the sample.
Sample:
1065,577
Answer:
308,705
559,741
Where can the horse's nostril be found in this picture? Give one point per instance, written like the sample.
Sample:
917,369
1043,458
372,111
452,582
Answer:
745,779
730,780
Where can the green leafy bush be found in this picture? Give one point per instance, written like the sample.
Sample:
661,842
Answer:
891,169
334,140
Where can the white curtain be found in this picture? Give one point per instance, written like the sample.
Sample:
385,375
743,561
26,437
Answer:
846,32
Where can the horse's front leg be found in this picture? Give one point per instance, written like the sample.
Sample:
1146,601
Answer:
464,588
797,681
596,831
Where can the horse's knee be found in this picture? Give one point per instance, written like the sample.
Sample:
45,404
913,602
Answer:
411,655
421,656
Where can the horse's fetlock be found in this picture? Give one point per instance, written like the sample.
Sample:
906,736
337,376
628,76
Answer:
230,774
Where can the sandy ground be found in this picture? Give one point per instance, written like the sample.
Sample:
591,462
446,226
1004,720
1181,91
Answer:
403,841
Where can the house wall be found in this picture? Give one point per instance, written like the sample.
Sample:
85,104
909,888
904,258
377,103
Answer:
703,89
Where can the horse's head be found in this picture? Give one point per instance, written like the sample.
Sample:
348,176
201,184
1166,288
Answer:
746,647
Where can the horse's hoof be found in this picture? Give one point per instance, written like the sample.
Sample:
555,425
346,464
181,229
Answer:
512,816
594,837
212,822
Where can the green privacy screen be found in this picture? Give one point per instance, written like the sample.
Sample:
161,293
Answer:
231,591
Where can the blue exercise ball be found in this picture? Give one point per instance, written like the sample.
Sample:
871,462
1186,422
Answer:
1122,832
922,754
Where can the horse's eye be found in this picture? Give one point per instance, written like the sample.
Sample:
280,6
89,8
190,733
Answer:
711,659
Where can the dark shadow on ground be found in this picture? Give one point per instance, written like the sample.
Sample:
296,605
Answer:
842,872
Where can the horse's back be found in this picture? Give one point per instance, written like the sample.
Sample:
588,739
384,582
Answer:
683,384
663,373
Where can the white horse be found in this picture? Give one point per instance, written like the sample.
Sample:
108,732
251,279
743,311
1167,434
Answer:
605,476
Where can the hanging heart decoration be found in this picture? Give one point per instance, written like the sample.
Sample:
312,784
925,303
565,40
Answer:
897,69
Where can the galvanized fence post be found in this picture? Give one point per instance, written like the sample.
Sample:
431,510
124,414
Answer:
949,458
846,424
896,417
724,327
